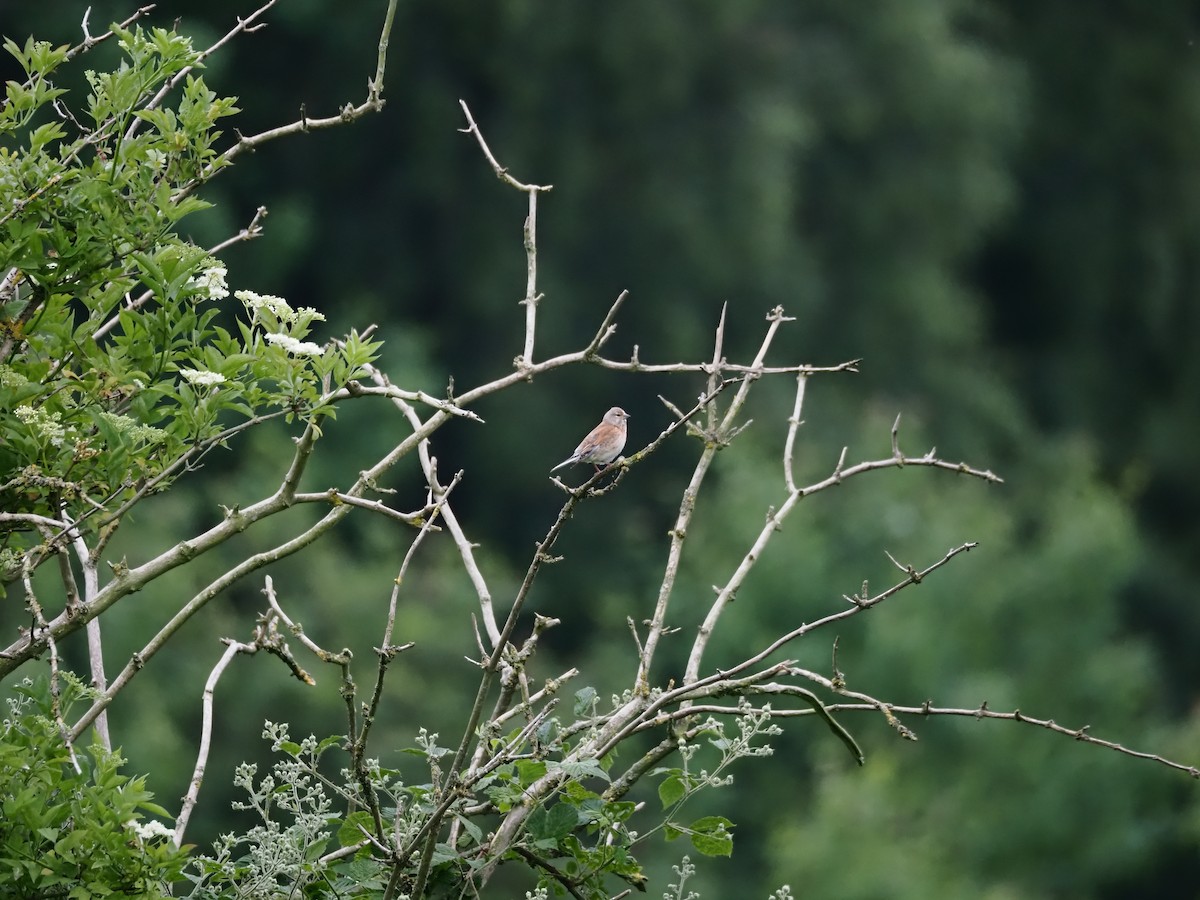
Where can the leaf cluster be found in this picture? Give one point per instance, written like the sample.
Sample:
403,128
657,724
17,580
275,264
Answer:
113,357
72,824
317,823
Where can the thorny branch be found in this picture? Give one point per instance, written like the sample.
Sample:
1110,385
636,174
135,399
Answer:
675,708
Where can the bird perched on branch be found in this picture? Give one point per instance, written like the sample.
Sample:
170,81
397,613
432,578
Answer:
603,444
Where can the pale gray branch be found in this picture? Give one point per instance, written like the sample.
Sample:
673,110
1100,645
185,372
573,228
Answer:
232,649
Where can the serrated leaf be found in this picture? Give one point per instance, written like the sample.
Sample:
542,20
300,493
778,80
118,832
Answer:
554,823
711,836
43,135
584,699
588,768
350,833
473,830
331,741
671,790
530,770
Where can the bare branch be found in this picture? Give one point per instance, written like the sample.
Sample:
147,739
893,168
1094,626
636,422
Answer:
334,497
91,587
795,633
294,628
774,524
794,423
348,113
89,42
982,712
129,580
465,547
232,648
532,700
678,534
501,172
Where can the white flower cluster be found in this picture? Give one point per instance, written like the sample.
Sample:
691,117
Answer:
278,307
211,282
148,831
43,422
293,346
133,429
10,377
202,377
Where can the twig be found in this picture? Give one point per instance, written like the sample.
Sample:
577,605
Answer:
678,532
794,423
539,863
232,648
249,233
348,113
795,633
719,436
89,42
982,712
243,25
294,628
774,523
465,547
528,703
91,587
532,297
501,172
335,497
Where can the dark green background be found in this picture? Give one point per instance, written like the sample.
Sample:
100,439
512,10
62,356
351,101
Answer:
996,204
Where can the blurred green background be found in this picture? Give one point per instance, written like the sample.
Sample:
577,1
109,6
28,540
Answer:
995,203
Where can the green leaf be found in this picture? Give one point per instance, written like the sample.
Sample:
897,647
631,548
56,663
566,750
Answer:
584,700
587,768
351,833
530,770
671,790
473,830
331,741
551,825
43,135
711,836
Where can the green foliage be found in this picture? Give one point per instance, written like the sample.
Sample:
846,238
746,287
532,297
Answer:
71,824
712,835
320,833
853,158
112,360
283,853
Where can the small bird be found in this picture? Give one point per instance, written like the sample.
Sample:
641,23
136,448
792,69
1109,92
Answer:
604,443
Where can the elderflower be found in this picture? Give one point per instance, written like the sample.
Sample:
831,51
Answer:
201,377
293,346
279,308
210,283
133,429
276,306
148,831
43,423
12,378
